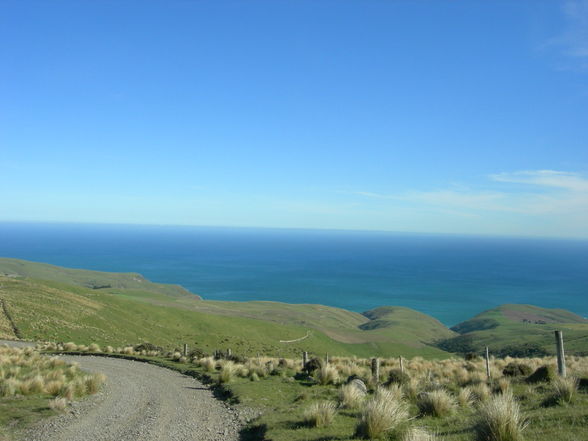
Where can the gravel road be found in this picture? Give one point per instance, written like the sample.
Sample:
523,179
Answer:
140,402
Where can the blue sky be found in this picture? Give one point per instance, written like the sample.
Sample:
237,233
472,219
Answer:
425,116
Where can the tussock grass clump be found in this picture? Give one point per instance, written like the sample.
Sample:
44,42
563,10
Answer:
391,393
350,396
320,414
564,389
227,372
481,392
208,363
499,419
93,382
94,348
26,372
380,416
465,397
58,404
327,374
9,387
437,403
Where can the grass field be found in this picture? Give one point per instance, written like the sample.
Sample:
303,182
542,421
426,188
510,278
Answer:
45,302
520,330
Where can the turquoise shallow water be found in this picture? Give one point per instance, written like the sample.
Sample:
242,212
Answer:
449,277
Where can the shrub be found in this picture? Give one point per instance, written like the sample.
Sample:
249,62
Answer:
565,389
380,416
320,414
542,374
313,364
149,347
396,376
516,369
500,420
437,403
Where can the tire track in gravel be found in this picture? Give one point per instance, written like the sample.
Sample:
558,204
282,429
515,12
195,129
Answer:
140,402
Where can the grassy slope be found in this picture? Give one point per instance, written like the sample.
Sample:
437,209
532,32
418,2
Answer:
45,310
92,279
520,324
393,325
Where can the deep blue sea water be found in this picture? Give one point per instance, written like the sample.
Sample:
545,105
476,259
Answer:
449,277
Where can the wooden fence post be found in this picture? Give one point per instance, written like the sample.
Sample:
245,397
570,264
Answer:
561,361
487,364
376,370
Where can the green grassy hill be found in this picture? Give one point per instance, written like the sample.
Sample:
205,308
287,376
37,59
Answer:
89,279
126,313
520,330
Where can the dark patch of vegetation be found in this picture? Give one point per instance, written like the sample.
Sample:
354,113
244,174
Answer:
516,369
523,350
147,347
481,324
396,376
544,374
462,344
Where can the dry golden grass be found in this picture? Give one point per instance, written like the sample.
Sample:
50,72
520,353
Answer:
381,415
26,372
320,414
350,396
564,389
437,403
499,419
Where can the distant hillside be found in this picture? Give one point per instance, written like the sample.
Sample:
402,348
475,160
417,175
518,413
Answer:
86,278
46,308
519,330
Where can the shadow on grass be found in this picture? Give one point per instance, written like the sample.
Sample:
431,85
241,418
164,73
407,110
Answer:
253,433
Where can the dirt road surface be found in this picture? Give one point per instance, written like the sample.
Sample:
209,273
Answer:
140,402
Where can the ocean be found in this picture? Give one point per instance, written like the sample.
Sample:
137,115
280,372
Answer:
451,278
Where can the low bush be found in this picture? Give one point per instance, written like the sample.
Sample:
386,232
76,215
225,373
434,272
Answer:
396,376
543,374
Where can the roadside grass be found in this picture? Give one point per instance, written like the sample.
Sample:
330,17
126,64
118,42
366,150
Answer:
283,394
34,386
